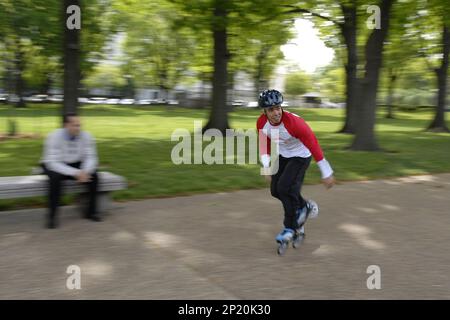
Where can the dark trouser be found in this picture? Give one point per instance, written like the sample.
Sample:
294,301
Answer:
286,186
55,190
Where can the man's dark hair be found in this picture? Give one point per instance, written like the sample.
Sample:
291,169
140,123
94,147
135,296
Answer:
68,115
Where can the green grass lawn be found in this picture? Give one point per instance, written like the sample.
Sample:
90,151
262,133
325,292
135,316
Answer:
136,142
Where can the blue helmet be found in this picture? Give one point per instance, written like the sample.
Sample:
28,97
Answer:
270,98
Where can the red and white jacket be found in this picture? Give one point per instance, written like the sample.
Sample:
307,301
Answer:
295,139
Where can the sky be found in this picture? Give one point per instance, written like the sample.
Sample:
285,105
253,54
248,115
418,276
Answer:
306,50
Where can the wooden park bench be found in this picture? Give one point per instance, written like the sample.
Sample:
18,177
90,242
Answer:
37,185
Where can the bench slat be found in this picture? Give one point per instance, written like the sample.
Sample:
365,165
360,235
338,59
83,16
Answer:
29,186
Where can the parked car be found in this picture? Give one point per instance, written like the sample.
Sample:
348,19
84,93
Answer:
56,98
144,102
238,103
161,101
13,98
252,104
97,100
36,98
113,101
3,98
83,100
126,101
332,105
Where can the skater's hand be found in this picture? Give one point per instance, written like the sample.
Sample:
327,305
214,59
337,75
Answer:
328,182
83,177
268,178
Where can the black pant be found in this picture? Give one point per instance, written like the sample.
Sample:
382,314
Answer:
286,186
55,190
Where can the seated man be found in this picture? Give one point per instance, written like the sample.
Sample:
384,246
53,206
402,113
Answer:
70,153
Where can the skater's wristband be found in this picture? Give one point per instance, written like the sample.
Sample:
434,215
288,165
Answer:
325,168
265,160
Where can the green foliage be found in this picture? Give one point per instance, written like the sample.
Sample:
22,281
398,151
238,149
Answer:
156,53
96,29
35,27
105,76
41,68
330,81
426,28
256,29
297,83
255,40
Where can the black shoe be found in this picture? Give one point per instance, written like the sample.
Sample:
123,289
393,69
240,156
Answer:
94,218
51,224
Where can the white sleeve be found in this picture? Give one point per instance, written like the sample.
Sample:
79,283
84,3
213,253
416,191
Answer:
325,168
53,158
90,159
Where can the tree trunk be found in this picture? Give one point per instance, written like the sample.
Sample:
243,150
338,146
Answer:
46,87
71,61
390,97
19,84
9,77
348,29
218,118
230,90
260,82
438,124
162,90
162,72
130,88
365,139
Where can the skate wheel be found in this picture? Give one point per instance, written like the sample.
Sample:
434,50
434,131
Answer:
298,241
282,248
314,209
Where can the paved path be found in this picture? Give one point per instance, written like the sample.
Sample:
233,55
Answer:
221,246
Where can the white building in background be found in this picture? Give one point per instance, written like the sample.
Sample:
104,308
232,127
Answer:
278,80
243,89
